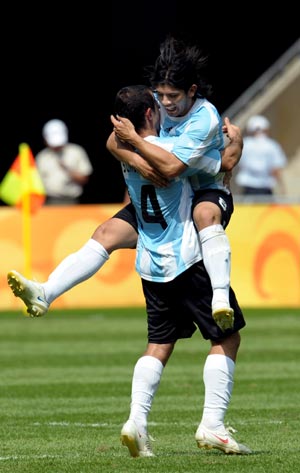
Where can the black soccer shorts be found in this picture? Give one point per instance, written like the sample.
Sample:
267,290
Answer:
223,200
176,308
128,214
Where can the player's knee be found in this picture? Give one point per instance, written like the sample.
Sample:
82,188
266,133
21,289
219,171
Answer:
206,215
114,234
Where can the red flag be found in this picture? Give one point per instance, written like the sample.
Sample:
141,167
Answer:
22,181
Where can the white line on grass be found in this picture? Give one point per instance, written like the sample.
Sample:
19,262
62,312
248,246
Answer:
153,424
25,457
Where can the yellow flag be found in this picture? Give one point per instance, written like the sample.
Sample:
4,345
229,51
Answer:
22,181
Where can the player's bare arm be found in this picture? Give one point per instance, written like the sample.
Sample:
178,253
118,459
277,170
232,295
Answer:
166,163
233,151
124,152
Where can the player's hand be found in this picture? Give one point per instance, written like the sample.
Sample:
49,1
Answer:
123,128
232,152
232,131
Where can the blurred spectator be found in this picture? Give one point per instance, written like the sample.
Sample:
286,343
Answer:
64,167
259,171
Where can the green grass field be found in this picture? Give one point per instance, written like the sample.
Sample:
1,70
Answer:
65,393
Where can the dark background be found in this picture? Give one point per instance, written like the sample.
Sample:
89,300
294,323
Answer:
68,63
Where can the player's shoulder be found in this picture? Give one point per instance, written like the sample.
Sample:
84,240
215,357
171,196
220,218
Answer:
205,116
202,103
205,109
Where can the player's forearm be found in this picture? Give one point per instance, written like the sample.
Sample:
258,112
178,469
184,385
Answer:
233,151
161,159
122,152
231,155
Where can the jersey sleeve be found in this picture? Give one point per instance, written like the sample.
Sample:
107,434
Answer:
199,147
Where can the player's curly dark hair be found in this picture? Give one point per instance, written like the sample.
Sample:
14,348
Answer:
179,65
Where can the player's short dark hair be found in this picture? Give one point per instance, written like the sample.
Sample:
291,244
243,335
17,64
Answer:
132,102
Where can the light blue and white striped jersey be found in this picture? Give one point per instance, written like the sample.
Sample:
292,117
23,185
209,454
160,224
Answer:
199,141
168,242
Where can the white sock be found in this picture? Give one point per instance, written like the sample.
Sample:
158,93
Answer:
218,381
146,377
217,261
75,268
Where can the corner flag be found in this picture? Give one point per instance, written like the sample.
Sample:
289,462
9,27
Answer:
22,181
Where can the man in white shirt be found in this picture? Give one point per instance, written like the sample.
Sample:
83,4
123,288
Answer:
64,167
262,160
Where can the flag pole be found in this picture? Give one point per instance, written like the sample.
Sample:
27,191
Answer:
26,214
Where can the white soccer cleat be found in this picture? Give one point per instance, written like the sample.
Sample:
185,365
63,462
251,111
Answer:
220,439
31,293
223,315
137,444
